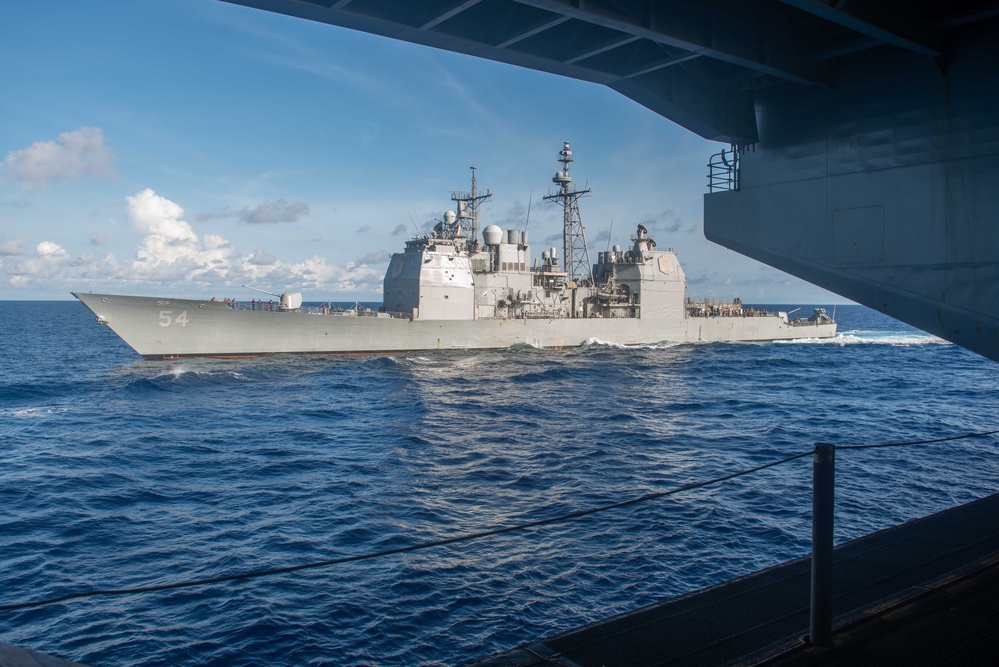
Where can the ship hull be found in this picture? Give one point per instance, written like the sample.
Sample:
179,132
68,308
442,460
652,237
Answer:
159,328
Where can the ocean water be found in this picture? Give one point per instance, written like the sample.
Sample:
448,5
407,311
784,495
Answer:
118,472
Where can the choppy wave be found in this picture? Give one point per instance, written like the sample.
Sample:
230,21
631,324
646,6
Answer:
31,413
523,347
596,342
896,338
180,378
120,472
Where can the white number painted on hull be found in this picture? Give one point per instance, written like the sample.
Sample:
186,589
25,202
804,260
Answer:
166,318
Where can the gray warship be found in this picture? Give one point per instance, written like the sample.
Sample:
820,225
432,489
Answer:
450,289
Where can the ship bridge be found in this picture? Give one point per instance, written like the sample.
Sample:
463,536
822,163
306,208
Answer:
861,137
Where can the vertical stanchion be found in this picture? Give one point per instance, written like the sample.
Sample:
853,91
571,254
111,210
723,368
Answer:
823,482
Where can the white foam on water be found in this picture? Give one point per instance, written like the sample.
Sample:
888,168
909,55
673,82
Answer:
895,338
31,413
422,360
596,342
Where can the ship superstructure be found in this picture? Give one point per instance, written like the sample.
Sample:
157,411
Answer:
577,258
450,289
447,275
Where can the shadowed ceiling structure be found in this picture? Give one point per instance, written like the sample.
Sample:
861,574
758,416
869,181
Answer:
863,135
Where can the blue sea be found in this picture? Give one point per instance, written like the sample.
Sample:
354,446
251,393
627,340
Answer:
118,472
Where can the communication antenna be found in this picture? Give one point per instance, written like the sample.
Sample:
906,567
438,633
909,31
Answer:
419,226
576,257
468,207
529,200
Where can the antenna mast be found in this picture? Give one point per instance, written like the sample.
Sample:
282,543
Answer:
468,207
576,257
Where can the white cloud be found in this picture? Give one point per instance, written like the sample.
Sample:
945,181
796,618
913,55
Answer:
49,257
50,250
267,212
274,211
261,257
158,216
15,246
377,257
668,221
171,256
73,155
170,250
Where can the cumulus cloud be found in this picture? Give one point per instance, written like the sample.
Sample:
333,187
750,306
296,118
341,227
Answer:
97,238
15,246
597,240
45,262
158,216
274,211
50,250
379,257
670,222
73,155
553,241
399,229
172,255
261,257
268,212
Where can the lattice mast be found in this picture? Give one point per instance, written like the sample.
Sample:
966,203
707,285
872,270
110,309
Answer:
468,207
574,253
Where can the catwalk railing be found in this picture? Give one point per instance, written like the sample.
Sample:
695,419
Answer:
823,501
723,171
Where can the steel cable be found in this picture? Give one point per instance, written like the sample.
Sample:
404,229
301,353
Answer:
398,550
919,442
454,540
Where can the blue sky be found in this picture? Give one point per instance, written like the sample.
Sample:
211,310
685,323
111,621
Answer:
185,148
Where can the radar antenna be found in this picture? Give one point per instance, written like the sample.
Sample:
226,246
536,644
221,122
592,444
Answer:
468,207
577,260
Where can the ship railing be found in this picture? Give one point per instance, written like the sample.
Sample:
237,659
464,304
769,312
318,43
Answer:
808,322
549,314
718,308
272,306
396,314
699,310
348,311
820,586
723,170
323,309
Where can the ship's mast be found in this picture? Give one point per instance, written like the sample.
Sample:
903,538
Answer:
468,207
576,258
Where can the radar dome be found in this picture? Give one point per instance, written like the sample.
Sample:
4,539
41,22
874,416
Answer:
492,235
449,217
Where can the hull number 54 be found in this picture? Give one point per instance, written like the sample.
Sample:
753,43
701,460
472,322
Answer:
166,318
